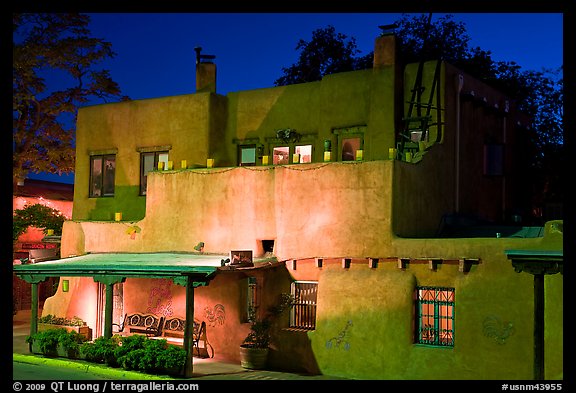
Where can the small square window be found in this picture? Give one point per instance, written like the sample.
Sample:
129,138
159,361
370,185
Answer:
304,153
349,148
281,155
247,155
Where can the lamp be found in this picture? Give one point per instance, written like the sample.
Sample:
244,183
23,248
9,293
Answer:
65,285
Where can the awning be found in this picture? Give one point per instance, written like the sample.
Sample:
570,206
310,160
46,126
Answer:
198,267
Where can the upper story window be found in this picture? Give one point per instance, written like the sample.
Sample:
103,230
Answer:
494,159
282,155
435,316
247,155
350,147
350,142
148,162
102,173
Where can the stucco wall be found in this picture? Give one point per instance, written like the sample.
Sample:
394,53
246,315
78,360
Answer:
366,316
181,122
308,210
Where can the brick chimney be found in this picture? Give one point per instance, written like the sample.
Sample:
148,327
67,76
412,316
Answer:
385,47
205,72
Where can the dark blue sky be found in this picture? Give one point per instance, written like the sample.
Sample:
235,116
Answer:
155,51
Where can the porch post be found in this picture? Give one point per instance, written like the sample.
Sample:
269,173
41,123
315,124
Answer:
108,310
109,282
189,328
539,326
34,314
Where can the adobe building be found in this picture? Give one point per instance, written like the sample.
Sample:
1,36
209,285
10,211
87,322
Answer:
346,192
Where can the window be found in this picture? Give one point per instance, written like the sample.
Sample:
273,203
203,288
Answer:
349,148
304,153
493,159
102,170
148,162
247,155
251,304
435,316
303,311
350,141
282,155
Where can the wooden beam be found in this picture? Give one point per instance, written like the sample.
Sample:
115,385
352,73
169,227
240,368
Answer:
372,263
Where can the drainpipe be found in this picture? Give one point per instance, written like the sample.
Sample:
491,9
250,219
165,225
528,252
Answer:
460,85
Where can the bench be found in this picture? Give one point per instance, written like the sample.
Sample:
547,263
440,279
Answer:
138,323
173,332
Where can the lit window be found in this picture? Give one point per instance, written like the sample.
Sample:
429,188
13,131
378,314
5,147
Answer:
303,311
247,156
102,170
281,155
349,148
148,162
304,153
435,316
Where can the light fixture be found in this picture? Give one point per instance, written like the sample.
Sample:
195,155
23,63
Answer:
65,285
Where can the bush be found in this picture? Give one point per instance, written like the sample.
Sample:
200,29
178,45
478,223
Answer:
136,352
153,356
101,350
49,340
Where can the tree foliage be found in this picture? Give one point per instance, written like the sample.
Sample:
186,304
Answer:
39,216
538,94
328,52
48,47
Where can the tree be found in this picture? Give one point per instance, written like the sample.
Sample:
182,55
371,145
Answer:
538,94
38,216
53,47
328,52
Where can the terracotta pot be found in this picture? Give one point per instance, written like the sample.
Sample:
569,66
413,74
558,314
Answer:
253,358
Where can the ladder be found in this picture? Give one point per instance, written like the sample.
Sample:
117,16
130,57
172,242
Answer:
418,120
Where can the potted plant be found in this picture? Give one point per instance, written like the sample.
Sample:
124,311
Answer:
255,347
70,324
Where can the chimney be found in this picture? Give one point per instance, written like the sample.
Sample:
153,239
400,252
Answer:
385,47
205,72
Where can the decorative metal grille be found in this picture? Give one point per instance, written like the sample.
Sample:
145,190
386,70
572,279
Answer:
435,313
303,311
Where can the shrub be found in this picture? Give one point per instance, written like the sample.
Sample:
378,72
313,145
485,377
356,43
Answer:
152,356
49,340
124,352
101,350
173,358
71,342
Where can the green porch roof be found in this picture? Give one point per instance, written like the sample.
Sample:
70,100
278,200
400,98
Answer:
200,267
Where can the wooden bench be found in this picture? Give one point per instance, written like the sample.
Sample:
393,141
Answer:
173,332
138,323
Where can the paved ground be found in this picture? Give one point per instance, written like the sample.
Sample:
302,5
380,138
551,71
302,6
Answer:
34,367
